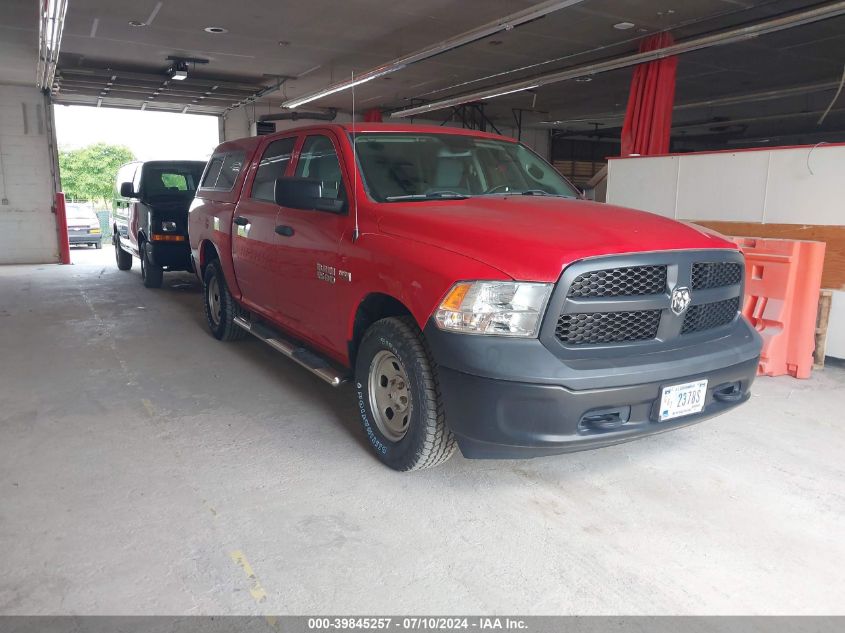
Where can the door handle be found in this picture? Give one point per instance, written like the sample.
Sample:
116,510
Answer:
241,221
284,230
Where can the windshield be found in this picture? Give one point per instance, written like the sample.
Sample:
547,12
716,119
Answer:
405,166
162,180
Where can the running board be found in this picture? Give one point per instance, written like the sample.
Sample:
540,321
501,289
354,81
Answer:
313,362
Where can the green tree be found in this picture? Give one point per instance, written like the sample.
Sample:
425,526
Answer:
88,173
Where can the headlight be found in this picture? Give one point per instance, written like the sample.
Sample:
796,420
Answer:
506,308
168,226
93,228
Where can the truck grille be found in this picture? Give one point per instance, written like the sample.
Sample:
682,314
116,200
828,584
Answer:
618,282
715,274
710,315
607,327
626,299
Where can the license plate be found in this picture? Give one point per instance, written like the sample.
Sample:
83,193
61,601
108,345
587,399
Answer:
685,399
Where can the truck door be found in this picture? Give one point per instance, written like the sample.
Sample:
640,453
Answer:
307,244
255,255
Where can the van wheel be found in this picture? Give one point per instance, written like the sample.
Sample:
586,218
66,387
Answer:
123,259
151,275
399,397
98,245
220,307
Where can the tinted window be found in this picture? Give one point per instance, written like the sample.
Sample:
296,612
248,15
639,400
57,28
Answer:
163,180
273,164
318,160
232,165
177,182
212,171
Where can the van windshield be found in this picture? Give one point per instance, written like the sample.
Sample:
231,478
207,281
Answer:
164,180
406,167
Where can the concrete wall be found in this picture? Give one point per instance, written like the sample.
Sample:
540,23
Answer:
27,189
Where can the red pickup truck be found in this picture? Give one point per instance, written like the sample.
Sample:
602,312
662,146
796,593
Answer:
468,291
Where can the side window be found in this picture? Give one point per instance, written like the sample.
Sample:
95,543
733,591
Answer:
318,160
212,171
229,171
273,164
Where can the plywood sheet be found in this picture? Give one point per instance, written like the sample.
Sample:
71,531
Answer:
833,275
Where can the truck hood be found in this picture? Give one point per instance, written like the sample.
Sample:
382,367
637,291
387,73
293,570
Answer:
532,238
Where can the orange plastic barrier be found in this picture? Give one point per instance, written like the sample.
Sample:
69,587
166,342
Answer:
782,283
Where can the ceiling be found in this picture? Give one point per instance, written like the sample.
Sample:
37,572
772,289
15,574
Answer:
305,46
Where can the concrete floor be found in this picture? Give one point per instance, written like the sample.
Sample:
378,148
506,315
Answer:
147,468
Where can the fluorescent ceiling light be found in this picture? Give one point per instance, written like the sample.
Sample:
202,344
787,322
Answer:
510,92
295,103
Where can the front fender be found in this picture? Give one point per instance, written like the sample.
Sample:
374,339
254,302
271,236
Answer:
416,274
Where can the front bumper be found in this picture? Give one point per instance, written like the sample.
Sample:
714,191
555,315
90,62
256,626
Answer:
509,398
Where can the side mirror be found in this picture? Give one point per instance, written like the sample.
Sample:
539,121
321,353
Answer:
305,193
126,190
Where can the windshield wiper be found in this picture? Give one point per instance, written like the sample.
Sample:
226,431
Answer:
437,195
526,192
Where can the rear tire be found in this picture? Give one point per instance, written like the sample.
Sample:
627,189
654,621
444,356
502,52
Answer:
123,259
220,308
399,397
151,275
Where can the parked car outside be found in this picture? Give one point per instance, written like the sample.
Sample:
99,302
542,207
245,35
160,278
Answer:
83,226
151,216
468,291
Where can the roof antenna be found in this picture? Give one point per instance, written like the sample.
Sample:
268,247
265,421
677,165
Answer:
355,231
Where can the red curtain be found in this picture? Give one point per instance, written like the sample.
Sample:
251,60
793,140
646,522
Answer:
648,119
373,116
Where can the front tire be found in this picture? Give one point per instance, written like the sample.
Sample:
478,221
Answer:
98,245
399,397
151,275
122,258
220,307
